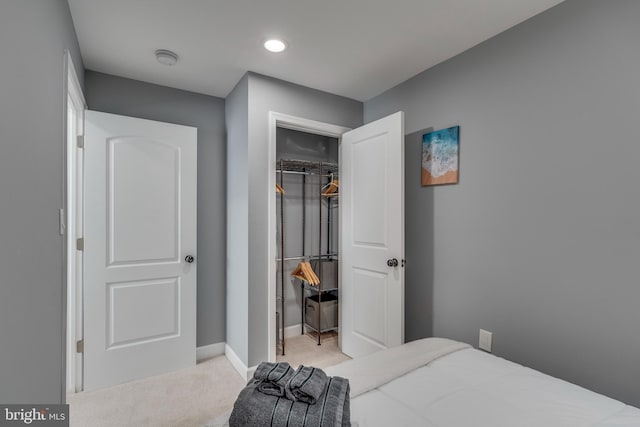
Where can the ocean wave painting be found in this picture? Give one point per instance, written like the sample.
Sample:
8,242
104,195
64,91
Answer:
440,156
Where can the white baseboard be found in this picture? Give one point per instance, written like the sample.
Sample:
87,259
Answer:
292,331
208,351
236,362
251,371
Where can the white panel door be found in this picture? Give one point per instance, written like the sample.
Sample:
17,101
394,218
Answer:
140,227
372,220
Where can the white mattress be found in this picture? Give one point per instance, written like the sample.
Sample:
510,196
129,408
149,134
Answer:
471,388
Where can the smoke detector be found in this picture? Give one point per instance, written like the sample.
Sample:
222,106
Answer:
166,57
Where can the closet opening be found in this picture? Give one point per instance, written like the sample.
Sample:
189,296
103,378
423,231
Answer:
305,241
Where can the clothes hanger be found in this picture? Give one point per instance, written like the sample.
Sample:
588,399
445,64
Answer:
279,189
330,181
331,187
299,272
305,272
310,274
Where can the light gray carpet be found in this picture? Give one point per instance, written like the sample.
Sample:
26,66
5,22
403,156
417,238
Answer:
185,398
189,397
304,349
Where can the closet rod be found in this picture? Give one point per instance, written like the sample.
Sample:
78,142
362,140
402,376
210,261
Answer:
302,173
307,257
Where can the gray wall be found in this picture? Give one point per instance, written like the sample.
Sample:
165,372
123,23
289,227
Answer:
133,98
539,242
33,37
291,144
419,244
266,94
237,120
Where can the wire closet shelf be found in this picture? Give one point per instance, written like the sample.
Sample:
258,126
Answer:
307,167
328,174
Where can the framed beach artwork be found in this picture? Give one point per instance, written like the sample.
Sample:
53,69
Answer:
440,156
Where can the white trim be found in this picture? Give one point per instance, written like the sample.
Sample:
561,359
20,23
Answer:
292,331
208,351
73,84
72,223
251,371
286,121
236,362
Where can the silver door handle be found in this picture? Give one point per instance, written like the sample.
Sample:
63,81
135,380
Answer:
189,259
393,262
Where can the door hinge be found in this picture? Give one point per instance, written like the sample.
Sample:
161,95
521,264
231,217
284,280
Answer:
80,244
62,221
80,346
80,141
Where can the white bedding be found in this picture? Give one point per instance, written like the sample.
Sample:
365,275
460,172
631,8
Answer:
468,387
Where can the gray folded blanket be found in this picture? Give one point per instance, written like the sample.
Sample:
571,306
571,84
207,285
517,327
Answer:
306,385
272,378
254,408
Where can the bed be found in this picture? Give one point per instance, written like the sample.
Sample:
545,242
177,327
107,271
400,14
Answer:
437,382
442,383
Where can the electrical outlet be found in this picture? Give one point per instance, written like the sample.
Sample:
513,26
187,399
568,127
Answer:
485,341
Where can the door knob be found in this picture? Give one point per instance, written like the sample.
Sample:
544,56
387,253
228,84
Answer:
393,262
189,258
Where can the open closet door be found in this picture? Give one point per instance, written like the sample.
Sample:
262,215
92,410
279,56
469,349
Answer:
139,248
372,210
372,219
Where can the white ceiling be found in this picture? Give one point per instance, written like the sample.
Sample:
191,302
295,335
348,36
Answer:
354,48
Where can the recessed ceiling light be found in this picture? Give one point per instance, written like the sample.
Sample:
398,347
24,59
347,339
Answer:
166,57
275,45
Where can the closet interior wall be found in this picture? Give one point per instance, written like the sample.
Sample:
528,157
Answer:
296,145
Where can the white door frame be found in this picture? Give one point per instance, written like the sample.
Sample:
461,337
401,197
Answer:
280,120
71,222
